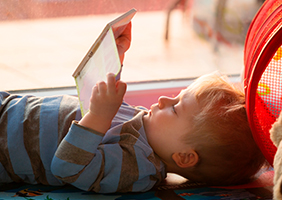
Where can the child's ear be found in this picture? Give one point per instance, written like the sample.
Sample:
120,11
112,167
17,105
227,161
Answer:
186,159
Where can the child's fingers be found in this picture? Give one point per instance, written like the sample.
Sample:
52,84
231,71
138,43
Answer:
101,87
127,31
123,44
111,80
121,88
95,89
123,41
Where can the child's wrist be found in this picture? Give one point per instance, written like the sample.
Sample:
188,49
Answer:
95,122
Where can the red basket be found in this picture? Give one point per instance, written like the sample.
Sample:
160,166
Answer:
263,74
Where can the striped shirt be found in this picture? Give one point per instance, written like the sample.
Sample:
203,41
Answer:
40,144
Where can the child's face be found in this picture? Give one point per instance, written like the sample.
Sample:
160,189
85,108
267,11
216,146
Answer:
168,121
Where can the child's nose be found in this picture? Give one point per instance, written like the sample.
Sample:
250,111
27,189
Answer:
163,101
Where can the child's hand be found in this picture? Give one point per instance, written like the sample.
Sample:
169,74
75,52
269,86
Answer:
107,98
104,104
123,42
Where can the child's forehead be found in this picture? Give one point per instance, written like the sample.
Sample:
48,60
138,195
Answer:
187,90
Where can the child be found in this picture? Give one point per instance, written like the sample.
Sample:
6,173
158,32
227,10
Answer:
202,134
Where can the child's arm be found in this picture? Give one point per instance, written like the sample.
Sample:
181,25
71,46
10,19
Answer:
105,101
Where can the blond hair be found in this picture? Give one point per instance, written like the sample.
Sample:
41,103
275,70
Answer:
221,134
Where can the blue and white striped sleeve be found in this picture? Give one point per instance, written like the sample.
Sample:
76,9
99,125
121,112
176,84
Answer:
76,151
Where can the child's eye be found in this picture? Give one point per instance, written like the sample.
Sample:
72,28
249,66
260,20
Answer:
173,108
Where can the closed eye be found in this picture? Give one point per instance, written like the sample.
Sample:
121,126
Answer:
173,108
